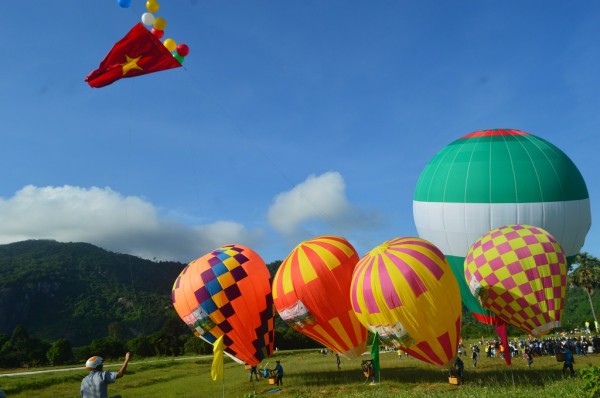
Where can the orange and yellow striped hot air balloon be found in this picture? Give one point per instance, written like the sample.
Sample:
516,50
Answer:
227,292
405,291
311,292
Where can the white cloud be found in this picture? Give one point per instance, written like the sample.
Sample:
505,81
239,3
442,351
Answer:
322,199
105,218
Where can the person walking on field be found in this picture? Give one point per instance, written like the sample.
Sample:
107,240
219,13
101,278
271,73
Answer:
337,360
569,361
95,384
279,376
254,371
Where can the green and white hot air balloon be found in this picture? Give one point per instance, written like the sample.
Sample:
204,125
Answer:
491,178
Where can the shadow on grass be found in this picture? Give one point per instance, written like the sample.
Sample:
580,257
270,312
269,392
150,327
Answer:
416,375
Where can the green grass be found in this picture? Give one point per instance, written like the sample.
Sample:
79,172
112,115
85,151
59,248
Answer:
309,374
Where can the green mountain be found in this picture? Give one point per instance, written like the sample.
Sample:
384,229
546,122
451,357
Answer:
76,290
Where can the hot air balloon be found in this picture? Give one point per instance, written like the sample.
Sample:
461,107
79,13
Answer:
227,292
311,292
519,272
405,291
492,178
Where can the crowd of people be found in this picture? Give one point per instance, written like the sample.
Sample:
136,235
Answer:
534,347
564,347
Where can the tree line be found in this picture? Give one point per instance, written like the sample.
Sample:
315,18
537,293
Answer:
174,338
19,349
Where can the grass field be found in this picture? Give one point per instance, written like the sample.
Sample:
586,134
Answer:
310,374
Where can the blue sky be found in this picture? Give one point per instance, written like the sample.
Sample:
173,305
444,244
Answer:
289,120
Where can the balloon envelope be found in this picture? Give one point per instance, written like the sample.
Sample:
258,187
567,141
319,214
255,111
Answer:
311,292
228,292
492,178
519,272
404,290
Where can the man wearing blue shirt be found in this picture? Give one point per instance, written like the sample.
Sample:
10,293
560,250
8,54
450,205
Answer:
279,370
569,361
95,384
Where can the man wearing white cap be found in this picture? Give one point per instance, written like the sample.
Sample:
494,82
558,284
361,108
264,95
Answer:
95,384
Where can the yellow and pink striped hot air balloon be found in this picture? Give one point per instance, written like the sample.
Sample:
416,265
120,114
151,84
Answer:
311,292
405,290
519,272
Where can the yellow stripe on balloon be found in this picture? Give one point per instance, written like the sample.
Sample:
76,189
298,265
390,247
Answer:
306,270
319,329
337,326
287,279
356,325
346,248
329,259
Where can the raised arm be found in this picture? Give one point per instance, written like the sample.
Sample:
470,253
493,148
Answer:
121,371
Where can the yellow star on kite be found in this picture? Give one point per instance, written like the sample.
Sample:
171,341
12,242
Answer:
131,64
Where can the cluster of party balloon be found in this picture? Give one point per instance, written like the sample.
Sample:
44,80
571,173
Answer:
483,208
158,25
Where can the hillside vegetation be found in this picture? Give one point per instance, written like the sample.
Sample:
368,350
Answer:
80,292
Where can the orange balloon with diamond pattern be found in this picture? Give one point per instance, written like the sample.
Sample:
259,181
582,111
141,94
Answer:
227,292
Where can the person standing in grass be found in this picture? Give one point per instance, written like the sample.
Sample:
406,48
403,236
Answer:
95,384
460,367
528,355
254,372
475,354
569,361
279,375
337,360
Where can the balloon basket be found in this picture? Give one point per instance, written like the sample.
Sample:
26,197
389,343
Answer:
247,367
271,380
454,380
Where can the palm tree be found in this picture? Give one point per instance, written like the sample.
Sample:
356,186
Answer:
586,276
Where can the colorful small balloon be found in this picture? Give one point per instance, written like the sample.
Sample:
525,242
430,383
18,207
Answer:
405,290
183,50
311,292
519,272
124,3
160,23
148,19
158,33
170,44
178,57
152,5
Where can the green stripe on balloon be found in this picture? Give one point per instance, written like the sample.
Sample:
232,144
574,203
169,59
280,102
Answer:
457,264
513,167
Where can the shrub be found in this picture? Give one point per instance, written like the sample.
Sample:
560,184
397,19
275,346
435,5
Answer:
591,376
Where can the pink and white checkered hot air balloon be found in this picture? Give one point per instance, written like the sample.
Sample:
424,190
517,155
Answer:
519,272
405,290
